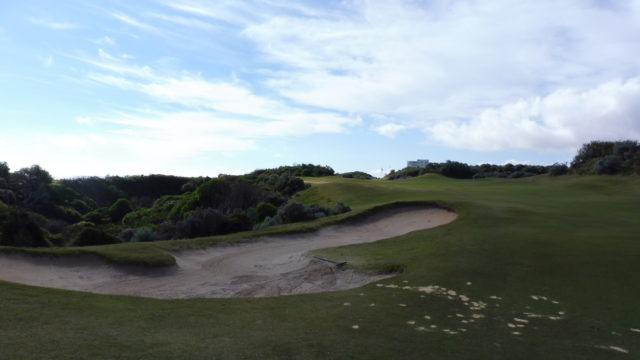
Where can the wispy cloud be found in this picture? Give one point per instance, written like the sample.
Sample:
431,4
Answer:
47,61
53,25
219,115
390,130
436,63
562,120
134,22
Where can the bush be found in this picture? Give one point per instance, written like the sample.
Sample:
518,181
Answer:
357,175
341,208
268,221
292,212
18,228
608,165
457,170
205,222
558,169
143,235
91,236
265,209
119,209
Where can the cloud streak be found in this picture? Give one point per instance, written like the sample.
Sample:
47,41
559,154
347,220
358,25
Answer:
53,25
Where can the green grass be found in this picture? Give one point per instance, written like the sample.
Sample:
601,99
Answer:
574,240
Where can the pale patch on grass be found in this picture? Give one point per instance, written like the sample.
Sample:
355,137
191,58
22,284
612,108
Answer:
355,327
372,304
464,298
411,322
469,283
434,326
614,348
427,317
477,316
452,293
511,325
521,320
635,330
402,305
421,328
347,304
516,333
493,297
619,349
460,315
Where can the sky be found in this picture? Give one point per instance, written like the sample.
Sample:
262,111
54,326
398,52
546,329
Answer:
201,88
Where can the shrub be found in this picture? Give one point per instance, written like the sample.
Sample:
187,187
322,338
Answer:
93,236
457,170
119,209
608,165
18,228
292,212
143,235
357,175
268,221
340,208
204,222
558,169
265,209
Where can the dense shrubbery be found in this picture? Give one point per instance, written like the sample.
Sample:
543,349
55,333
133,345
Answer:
38,211
357,175
607,158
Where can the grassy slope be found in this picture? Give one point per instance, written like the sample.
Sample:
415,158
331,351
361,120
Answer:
573,240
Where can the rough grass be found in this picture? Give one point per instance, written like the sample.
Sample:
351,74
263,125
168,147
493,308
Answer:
572,240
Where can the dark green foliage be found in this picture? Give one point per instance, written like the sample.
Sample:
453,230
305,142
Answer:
150,186
7,196
119,209
457,170
159,212
265,209
592,150
99,189
143,235
292,212
341,208
81,206
608,165
608,157
98,216
18,228
357,175
90,236
205,222
558,169
296,170
4,170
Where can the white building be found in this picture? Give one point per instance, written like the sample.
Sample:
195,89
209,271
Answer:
420,163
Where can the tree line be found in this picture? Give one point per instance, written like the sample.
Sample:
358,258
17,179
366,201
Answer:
38,211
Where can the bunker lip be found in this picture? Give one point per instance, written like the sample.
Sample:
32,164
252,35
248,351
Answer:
267,266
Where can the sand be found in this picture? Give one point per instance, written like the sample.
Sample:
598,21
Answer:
269,266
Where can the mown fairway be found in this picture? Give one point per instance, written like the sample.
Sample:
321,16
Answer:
535,268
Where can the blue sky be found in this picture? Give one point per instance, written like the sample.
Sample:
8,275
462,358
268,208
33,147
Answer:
192,87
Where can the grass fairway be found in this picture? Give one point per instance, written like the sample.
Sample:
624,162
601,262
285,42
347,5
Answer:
535,268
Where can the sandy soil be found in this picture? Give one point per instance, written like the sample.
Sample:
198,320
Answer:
270,266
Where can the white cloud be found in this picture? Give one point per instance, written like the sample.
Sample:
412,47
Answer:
106,40
390,129
53,25
131,21
442,60
562,120
69,141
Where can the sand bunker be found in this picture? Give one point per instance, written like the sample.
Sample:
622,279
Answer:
270,266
